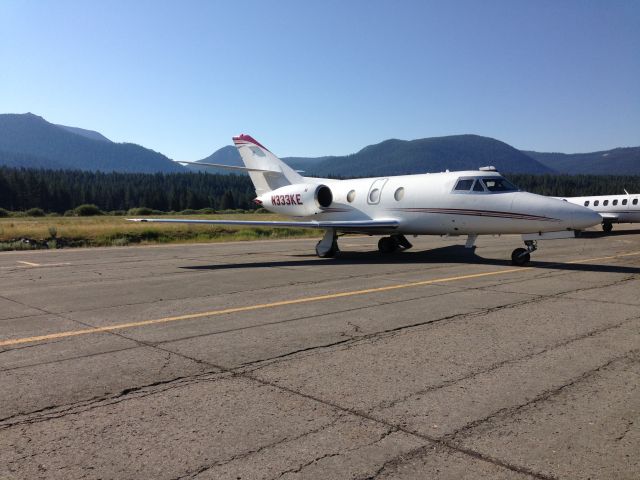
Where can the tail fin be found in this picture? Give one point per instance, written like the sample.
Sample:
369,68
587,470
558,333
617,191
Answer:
275,173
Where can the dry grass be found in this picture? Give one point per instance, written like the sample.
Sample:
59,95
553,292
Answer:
108,231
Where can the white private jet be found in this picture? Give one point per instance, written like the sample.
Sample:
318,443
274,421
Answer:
612,208
451,203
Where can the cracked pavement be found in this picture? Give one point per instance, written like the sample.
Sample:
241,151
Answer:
478,371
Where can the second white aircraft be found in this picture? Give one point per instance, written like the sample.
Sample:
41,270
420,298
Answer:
469,203
612,208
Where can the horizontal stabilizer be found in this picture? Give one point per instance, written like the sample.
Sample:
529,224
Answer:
228,167
351,225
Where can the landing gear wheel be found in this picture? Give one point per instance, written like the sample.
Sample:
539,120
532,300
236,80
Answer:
403,243
607,227
328,246
520,256
332,252
387,245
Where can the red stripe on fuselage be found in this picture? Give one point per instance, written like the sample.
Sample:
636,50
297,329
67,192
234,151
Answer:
478,213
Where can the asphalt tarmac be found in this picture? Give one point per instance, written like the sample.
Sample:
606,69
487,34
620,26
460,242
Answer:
258,360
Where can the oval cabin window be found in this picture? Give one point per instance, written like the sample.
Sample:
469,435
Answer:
351,196
374,195
399,194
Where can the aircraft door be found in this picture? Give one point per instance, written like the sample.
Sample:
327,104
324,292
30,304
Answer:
375,191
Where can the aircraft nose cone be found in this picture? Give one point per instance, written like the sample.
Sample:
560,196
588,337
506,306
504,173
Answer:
583,218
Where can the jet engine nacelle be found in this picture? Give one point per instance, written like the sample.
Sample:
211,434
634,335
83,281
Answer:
298,200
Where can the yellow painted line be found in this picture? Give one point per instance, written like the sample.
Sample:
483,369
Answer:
35,265
262,306
605,258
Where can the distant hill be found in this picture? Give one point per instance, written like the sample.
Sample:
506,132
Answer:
24,160
619,161
307,165
398,157
437,154
28,140
85,133
228,155
458,152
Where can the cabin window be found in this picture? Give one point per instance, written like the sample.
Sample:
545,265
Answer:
615,202
374,196
586,203
464,185
596,203
605,203
399,194
351,196
624,201
635,201
477,187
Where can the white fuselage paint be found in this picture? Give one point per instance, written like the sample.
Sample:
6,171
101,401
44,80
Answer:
430,206
612,208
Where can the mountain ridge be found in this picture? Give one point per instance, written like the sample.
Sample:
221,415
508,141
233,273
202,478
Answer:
622,161
85,133
27,140
31,136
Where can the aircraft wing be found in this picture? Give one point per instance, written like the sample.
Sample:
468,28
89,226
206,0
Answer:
350,225
609,216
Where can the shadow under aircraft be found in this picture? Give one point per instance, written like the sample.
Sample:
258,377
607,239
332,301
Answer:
449,254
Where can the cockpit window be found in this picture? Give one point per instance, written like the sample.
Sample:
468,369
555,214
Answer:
498,184
464,184
477,187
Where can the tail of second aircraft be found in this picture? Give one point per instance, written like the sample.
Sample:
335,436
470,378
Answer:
267,171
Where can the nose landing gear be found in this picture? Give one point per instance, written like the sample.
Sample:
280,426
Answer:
522,256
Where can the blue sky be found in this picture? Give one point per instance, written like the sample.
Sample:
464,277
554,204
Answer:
327,77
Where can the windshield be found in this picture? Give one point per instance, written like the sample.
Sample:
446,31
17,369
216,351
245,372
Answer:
498,184
484,185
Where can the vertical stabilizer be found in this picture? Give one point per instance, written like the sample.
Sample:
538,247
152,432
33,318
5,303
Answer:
254,155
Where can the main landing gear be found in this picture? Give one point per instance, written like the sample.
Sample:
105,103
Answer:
328,246
522,256
393,243
607,226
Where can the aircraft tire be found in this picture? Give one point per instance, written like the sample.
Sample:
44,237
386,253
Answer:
331,253
607,227
387,245
520,256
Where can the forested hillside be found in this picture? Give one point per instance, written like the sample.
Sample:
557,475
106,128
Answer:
62,190
623,161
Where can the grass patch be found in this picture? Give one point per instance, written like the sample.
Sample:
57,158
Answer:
106,231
